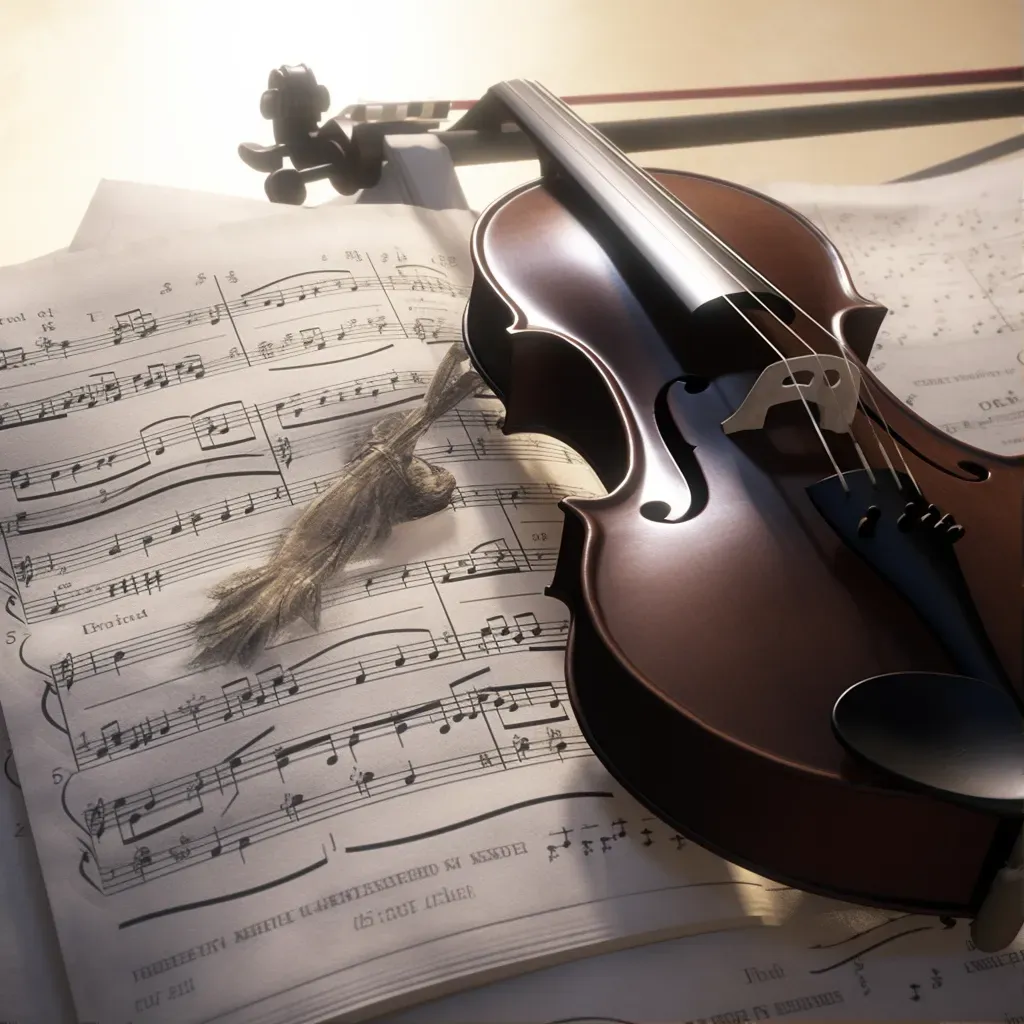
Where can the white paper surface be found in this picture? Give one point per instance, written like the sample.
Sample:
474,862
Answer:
228,822
659,981
910,969
945,256
33,987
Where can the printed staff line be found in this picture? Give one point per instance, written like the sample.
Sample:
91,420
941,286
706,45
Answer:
187,675
868,949
349,733
245,833
500,448
93,368
178,570
318,442
222,419
200,462
213,901
320,312
123,876
240,506
329,362
190,369
11,528
856,935
140,325
504,597
273,686
106,392
232,773
172,639
466,822
88,664
178,430
124,489
298,409
159,532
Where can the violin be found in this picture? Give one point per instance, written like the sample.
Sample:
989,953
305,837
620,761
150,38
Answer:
796,616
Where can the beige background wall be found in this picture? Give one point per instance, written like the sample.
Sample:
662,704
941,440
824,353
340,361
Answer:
163,90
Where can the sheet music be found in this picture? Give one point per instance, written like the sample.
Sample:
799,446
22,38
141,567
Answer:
33,988
375,809
904,969
971,389
32,983
943,256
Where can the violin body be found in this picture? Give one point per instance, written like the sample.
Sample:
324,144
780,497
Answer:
730,587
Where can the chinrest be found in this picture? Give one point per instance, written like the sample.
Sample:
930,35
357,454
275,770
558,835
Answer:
956,737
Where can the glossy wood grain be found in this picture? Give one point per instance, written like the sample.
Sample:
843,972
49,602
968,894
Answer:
717,615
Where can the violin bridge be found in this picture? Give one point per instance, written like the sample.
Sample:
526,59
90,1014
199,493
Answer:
831,382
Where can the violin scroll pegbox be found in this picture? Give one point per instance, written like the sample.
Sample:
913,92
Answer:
350,160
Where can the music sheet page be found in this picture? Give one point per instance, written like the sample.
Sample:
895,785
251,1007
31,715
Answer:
33,986
862,968
946,257
375,809
33,989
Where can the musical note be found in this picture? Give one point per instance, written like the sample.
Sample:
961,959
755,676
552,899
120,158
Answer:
362,780
284,755
23,570
141,860
290,805
312,337
195,793
11,358
66,672
96,819
240,694
555,742
110,739
133,321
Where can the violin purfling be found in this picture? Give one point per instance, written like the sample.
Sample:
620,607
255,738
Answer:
797,631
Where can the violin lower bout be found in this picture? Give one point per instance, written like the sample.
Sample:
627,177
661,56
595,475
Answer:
856,837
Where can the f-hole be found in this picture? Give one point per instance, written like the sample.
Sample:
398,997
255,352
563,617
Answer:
682,454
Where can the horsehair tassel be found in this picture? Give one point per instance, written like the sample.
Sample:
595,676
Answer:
384,484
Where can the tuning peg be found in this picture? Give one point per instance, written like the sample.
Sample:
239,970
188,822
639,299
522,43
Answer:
262,158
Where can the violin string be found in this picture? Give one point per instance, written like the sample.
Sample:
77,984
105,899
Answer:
840,346
666,195
841,476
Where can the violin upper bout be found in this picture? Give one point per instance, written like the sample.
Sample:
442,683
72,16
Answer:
858,325
533,372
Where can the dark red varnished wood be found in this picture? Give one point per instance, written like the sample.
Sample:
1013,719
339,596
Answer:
707,653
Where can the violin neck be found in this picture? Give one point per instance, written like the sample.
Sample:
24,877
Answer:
698,268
